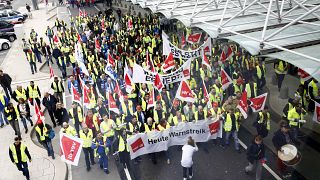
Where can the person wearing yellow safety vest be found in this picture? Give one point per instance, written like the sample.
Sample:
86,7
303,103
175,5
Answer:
189,109
102,144
44,133
146,128
294,116
87,136
158,113
263,122
261,75
314,94
237,87
3,103
251,89
12,114
126,107
200,114
31,57
281,68
140,115
58,89
134,128
231,127
76,115
19,155
19,93
68,130
292,102
216,111
33,93
107,128
178,118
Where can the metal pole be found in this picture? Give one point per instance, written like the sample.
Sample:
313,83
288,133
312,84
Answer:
266,21
305,8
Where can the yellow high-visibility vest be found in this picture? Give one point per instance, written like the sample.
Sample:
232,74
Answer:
21,94
42,135
146,127
228,124
79,111
24,157
87,139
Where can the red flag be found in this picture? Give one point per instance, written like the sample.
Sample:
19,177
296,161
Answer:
80,13
130,24
56,39
224,56
103,24
136,145
86,90
111,60
75,94
149,62
316,115
243,104
194,38
205,92
70,149
79,37
37,111
158,83
97,45
51,73
304,75
184,92
118,91
205,60
128,82
258,103
112,104
183,41
214,127
84,13
207,47
151,100
168,63
225,79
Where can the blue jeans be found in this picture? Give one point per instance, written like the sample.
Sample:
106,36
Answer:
3,118
24,122
38,55
103,161
235,137
24,169
48,146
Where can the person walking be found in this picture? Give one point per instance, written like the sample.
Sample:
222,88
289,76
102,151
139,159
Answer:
44,135
19,155
102,144
5,81
281,68
231,127
50,102
46,51
263,122
61,114
12,115
31,57
58,89
33,93
256,156
19,93
24,111
67,129
3,103
186,161
87,136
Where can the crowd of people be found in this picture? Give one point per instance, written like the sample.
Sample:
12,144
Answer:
125,40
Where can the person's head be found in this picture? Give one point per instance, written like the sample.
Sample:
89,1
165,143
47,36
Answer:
71,78
200,108
31,83
134,120
284,126
147,96
178,114
74,105
59,105
1,72
99,136
46,94
17,140
190,141
139,109
55,79
163,122
158,106
65,125
258,139
231,110
19,88
21,101
85,128
105,118
10,106
149,120
90,112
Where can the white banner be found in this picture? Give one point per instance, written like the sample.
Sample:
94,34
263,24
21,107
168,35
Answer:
141,75
156,141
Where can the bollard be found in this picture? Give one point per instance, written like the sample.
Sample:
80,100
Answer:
284,92
274,80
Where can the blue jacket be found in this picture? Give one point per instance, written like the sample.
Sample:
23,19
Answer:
6,101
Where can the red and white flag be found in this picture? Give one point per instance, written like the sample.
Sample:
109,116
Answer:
206,95
97,44
56,39
118,91
225,79
183,41
168,63
111,60
85,13
316,115
128,82
130,26
37,112
51,73
207,47
194,38
79,37
112,104
75,94
243,105
86,90
184,92
103,26
151,100
205,60
304,75
157,83
258,103
80,13
225,56
149,62
70,149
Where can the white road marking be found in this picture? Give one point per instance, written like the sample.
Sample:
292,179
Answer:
96,8
25,81
127,174
275,175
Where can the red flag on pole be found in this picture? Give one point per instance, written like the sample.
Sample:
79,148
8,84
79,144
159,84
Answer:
75,94
205,92
258,103
111,60
70,149
151,100
56,39
304,75
205,60
112,104
118,91
158,83
184,92
183,41
316,115
79,37
37,111
97,45
225,79
80,13
51,72
207,47
86,100
243,104
168,63
128,82
194,38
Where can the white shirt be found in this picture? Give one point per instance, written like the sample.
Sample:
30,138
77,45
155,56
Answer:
187,153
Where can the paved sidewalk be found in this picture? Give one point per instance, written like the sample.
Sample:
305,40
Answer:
42,167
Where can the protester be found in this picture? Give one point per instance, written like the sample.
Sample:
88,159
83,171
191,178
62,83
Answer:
19,155
68,130
12,114
24,111
5,81
256,156
50,102
45,134
263,122
19,93
61,114
33,94
3,104
87,136
58,89
186,161
102,144
76,115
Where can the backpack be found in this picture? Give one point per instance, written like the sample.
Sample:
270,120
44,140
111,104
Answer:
52,134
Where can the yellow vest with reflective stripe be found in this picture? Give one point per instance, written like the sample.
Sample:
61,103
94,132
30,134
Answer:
228,124
248,89
57,88
2,100
259,71
122,146
80,117
33,92
107,127
87,139
17,113
124,108
175,119
146,127
42,135
163,128
315,88
263,119
156,117
196,115
21,94
293,117
24,157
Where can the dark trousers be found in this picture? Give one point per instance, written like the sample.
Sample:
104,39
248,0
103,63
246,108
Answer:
33,67
77,126
280,78
88,155
52,117
23,166
8,91
281,166
185,169
261,82
15,126
38,102
48,146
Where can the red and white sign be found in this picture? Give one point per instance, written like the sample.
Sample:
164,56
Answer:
158,83
128,82
184,93
183,41
97,45
258,103
214,127
304,75
224,56
75,94
205,92
70,149
112,104
168,63
316,115
118,91
194,38
111,60
205,60
243,105
56,39
51,73
207,47
151,100
225,79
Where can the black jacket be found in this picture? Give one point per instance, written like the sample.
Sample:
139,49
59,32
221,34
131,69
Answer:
255,152
56,53
279,139
50,104
61,115
5,80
